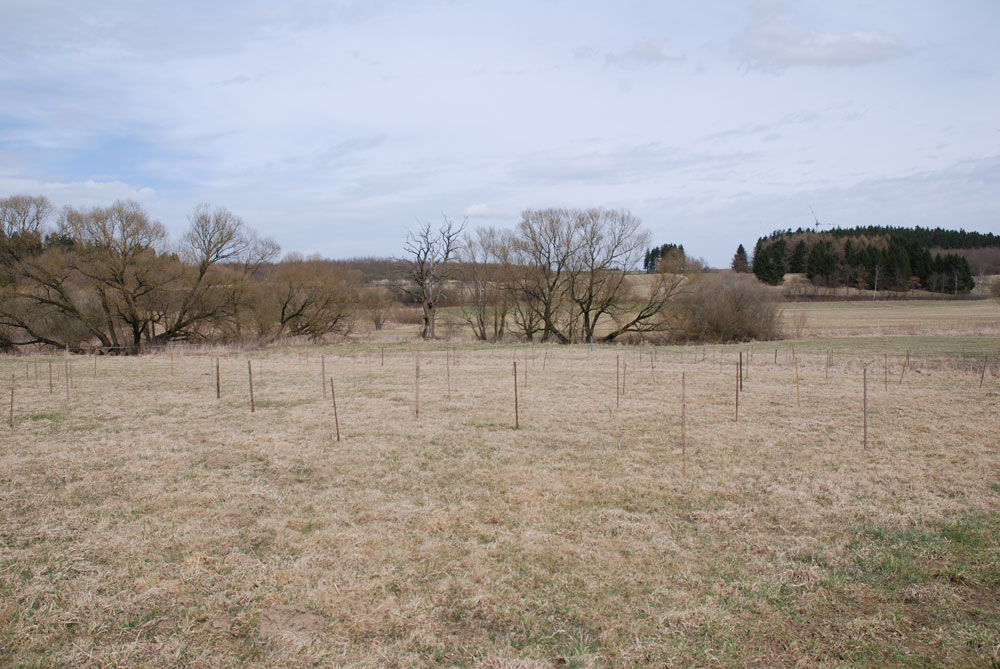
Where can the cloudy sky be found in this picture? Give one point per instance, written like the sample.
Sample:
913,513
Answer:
335,126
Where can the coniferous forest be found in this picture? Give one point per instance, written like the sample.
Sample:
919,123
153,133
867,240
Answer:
875,257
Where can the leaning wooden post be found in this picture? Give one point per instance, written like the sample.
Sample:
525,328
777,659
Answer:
865,439
250,373
683,425
416,389
618,386
798,399
986,363
903,371
218,380
322,373
336,419
517,423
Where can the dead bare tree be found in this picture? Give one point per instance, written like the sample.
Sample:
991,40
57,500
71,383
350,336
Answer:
428,265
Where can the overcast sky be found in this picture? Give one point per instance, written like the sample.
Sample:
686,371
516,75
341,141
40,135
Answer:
334,127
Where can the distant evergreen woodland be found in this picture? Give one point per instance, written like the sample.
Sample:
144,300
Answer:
896,259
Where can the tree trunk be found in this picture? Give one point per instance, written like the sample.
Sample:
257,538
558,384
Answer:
430,311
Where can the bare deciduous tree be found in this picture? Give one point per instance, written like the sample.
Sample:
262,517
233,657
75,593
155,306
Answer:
611,242
485,278
546,241
428,265
378,303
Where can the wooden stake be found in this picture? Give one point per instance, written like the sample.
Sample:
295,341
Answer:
545,357
383,357
683,425
798,399
986,363
618,387
250,372
336,419
737,393
885,371
903,371
517,423
218,380
741,370
776,356
865,442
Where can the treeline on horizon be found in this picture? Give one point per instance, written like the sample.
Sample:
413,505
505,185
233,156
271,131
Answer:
878,257
109,278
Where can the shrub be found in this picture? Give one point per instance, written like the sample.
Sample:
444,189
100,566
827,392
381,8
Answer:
729,307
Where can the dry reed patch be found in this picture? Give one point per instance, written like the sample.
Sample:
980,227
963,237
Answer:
147,522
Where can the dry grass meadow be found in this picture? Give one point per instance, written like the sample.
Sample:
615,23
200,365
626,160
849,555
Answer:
145,522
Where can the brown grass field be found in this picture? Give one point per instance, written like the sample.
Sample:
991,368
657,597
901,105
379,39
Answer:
146,523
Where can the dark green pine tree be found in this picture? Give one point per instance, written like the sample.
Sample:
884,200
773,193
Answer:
797,263
769,262
740,262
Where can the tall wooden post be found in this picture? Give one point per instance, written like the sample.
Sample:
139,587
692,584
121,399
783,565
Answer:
250,373
517,423
683,424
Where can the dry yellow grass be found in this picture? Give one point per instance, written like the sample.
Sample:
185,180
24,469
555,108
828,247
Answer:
894,317
144,522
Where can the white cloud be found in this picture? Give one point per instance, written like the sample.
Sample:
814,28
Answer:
775,43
